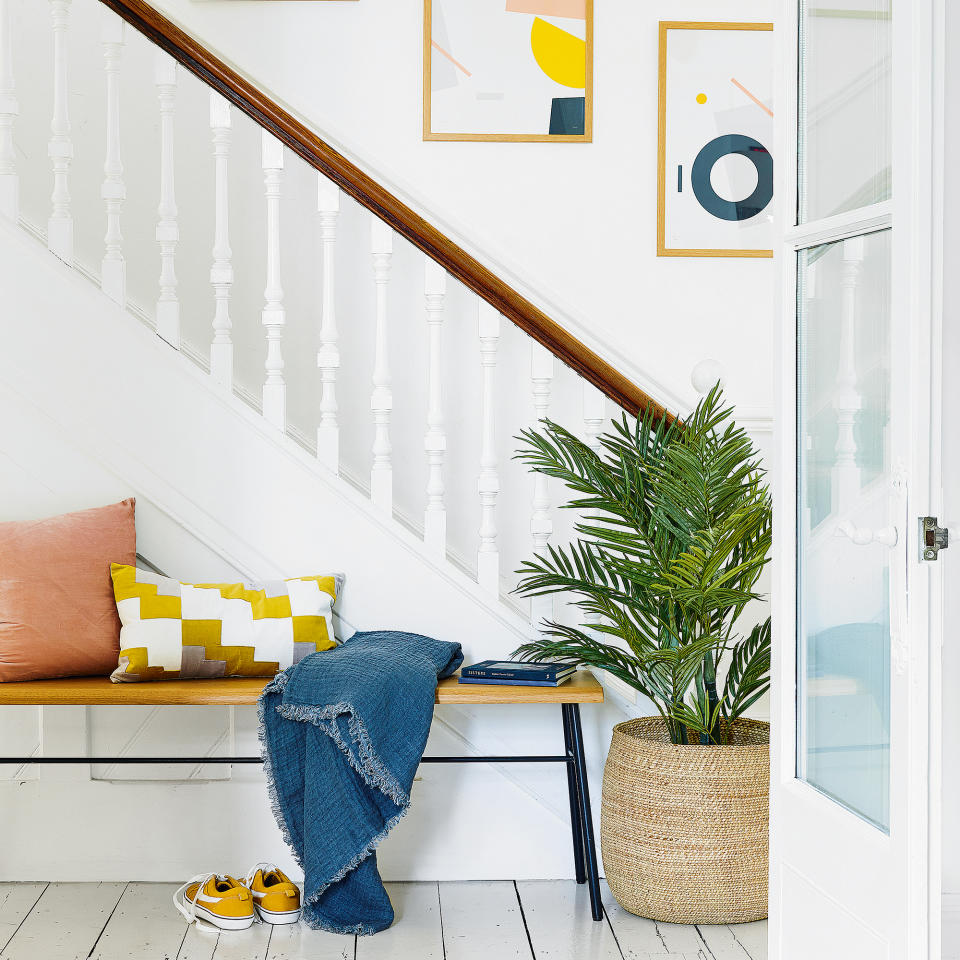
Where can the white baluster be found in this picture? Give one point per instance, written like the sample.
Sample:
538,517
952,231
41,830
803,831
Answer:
168,233
221,271
60,146
488,483
328,356
381,401
273,316
594,415
435,441
9,111
541,523
113,280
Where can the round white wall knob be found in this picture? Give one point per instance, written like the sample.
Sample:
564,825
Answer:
705,374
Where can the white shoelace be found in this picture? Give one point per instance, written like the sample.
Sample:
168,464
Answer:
191,915
252,872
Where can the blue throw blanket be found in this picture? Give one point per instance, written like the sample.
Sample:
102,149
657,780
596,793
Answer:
343,732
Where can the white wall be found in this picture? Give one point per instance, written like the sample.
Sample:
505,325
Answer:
206,471
575,221
589,247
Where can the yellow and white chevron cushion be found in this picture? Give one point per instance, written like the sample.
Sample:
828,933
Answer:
173,630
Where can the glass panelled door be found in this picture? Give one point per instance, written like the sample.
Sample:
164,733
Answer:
850,748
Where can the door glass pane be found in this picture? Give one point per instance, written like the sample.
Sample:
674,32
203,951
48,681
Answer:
844,108
844,517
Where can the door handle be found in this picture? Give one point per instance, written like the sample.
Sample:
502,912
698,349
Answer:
861,536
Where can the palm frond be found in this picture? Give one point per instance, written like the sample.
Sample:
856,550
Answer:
673,533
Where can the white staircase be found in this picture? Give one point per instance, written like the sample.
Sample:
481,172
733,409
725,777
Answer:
399,381
287,385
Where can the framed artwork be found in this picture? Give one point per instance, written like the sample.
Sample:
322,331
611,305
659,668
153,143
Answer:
519,70
715,129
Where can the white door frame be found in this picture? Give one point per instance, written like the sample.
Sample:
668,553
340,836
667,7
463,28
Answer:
917,105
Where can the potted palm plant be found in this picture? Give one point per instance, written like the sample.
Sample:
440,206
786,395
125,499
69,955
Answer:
674,531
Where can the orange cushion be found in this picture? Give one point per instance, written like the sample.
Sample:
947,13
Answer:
58,617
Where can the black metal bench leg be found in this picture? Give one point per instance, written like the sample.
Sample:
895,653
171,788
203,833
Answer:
576,827
583,791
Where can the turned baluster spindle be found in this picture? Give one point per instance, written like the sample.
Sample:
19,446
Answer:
594,415
541,522
60,145
113,192
381,400
274,315
488,483
221,270
435,440
168,232
9,111
328,356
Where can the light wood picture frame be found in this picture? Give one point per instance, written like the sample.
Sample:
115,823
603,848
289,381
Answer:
519,76
707,113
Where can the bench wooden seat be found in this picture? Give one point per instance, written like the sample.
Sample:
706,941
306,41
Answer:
99,691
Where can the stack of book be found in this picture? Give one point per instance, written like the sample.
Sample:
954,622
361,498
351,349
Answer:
518,673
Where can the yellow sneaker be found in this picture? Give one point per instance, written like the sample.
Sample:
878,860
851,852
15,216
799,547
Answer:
223,902
276,897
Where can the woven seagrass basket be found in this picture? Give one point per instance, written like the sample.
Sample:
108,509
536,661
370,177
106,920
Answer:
683,829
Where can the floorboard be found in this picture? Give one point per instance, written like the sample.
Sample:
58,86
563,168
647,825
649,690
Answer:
559,922
752,937
16,902
683,938
417,933
197,944
637,937
721,943
65,922
482,921
487,920
143,924
640,938
296,941
250,944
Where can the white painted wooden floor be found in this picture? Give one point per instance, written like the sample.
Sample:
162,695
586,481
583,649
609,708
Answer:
502,920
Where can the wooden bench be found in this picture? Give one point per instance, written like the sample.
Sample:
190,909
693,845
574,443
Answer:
245,691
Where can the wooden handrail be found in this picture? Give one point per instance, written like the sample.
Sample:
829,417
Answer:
381,203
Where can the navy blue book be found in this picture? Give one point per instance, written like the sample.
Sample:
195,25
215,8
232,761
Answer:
520,683
517,670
